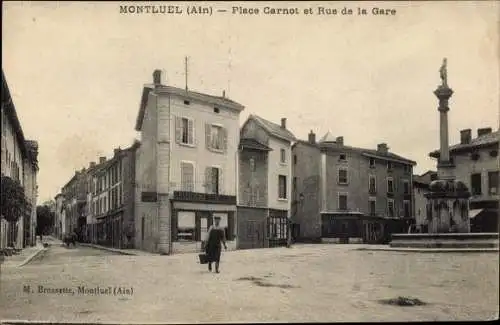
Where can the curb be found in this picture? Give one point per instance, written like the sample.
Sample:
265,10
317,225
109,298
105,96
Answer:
33,256
108,249
431,250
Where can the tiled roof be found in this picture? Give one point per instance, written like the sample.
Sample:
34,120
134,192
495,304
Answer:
375,153
484,140
273,128
254,144
215,100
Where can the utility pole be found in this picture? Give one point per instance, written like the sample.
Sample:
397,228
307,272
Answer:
186,71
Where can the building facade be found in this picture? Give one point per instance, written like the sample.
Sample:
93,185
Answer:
74,193
476,163
59,222
420,188
264,185
349,194
186,167
110,219
18,162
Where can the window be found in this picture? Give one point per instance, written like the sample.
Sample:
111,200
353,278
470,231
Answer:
407,169
184,131
372,186
342,179
283,156
294,184
475,181
406,187
187,176
390,208
282,187
216,110
216,137
295,159
493,183
390,185
373,206
186,102
186,226
342,201
212,179
406,205
389,165
343,157
252,164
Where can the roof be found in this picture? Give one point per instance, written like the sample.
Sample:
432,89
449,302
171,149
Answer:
253,144
328,137
272,128
162,89
10,111
484,140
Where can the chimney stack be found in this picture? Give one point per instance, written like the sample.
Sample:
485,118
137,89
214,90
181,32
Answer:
382,148
102,159
483,131
157,77
465,136
283,123
223,94
92,164
116,151
312,137
340,141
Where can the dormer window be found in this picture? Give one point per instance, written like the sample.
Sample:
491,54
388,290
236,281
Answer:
186,102
216,110
343,157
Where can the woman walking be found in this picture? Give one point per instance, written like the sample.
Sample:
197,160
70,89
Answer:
216,236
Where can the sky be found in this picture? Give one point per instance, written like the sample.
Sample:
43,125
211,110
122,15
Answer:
76,71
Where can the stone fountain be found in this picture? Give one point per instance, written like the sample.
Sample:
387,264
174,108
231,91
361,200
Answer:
448,198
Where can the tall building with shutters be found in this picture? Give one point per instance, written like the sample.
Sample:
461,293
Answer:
186,167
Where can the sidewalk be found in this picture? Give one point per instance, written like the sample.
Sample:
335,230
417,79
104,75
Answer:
24,257
133,252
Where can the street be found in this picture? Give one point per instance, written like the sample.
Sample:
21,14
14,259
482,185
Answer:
307,283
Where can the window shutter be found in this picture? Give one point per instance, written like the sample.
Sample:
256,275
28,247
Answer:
208,136
224,138
178,129
221,188
208,179
190,132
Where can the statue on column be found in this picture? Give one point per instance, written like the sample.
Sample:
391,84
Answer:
444,73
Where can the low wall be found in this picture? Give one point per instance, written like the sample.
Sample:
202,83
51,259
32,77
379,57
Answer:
446,240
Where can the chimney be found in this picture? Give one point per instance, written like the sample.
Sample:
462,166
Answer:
340,141
223,94
157,77
92,164
116,151
312,137
465,136
283,123
483,131
102,159
382,148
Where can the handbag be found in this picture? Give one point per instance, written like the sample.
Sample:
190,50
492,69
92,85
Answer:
203,258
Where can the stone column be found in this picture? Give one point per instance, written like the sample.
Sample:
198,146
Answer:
445,165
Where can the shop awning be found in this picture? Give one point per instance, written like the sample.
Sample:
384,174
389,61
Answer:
475,212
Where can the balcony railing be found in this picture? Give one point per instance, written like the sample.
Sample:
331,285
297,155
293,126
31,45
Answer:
202,192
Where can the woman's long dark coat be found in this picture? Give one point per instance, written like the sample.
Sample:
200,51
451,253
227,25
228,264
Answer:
214,247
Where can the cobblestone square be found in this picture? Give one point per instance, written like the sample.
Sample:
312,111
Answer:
307,283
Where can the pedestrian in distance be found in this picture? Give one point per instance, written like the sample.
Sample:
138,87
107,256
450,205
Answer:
216,236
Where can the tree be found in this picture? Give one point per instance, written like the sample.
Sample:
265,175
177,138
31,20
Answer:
13,200
44,218
13,205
